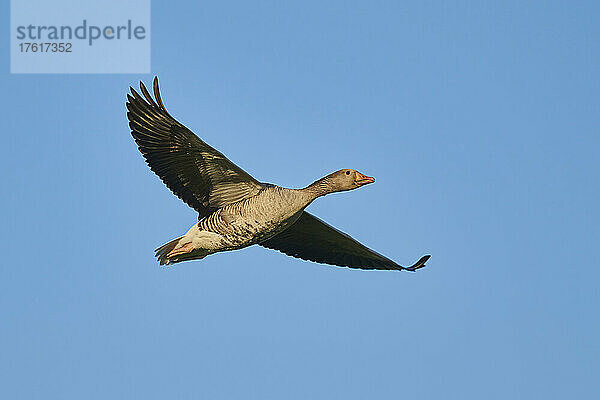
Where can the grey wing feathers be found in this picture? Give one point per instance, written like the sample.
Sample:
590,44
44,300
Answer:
197,173
311,239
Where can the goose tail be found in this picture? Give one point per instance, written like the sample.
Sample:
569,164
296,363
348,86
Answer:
162,253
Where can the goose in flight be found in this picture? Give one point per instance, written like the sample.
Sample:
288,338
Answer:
235,210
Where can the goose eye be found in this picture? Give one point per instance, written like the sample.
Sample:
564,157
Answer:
347,172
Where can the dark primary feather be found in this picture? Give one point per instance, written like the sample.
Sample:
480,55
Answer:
311,239
197,173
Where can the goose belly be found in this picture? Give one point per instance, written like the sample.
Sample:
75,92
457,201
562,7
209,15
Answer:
263,229
250,221
245,231
239,227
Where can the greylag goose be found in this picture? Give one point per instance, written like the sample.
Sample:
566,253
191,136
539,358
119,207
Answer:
235,210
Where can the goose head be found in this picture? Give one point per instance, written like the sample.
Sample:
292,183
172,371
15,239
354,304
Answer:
347,179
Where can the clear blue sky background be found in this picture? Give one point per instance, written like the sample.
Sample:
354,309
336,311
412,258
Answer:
480,122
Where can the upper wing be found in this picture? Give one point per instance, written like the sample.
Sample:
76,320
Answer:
311,239
198,174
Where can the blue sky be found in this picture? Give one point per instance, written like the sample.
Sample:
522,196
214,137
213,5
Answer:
480,123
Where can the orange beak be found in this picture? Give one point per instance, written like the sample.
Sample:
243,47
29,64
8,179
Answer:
363,179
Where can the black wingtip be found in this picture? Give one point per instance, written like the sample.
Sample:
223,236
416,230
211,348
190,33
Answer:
419,264
158,97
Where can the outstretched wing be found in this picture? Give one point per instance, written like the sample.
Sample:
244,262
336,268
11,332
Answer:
311,239
198,174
